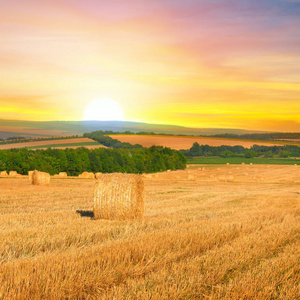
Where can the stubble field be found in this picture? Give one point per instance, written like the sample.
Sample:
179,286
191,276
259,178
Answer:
186,142
202,237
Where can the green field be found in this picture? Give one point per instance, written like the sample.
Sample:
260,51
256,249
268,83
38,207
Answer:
64,145
239,160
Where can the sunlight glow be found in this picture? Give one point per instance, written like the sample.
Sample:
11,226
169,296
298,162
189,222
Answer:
103,110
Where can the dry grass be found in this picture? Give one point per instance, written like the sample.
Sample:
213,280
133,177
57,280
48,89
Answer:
200,239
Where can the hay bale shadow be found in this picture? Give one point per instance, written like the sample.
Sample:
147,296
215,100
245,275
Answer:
86,213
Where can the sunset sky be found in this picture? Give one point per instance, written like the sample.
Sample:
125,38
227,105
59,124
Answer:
195,63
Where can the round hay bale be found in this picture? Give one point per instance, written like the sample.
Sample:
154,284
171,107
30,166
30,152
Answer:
242,163
222,178
13,174
87,175
230,178
98,175
227,164
251,164
119,196
40,178
30,175
62,174
3,174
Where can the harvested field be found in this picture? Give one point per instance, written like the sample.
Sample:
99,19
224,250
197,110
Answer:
200,238
184,142
53,142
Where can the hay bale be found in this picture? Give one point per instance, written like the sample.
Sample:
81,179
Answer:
191,177
227,164
230,178
3,174
13,174
62,174
251,164
30,175
98,175
222,178
87,175
119,196
243,163
40,178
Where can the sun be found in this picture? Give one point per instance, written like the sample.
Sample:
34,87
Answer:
103,110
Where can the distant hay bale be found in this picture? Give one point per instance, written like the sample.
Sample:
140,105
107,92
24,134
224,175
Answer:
251,164
230,178
147,175
40,178
203,169
98,175
3,174
222,178
119,196
191,177
168,171
62,174
242,163
227,164
30,175
13,174
87,175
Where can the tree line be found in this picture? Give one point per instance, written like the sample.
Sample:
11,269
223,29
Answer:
76,161
239,151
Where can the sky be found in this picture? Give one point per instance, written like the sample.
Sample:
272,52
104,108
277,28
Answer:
194,63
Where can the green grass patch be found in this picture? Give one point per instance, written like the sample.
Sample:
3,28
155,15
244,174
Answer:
239,160
64,145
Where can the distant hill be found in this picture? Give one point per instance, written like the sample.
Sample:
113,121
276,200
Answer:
15,128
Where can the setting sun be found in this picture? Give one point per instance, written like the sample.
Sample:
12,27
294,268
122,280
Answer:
103,110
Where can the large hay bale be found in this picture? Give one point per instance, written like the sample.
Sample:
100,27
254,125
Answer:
3,174
13,174
62,174
119,196
40,178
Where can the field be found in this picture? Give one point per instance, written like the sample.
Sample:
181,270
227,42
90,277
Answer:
60,144
201,238
186,142
239,160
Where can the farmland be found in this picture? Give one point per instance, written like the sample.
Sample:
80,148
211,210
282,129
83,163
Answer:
60,144
201,238
186,142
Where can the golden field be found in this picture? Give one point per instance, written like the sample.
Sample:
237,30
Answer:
201,238
63,142
186,142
